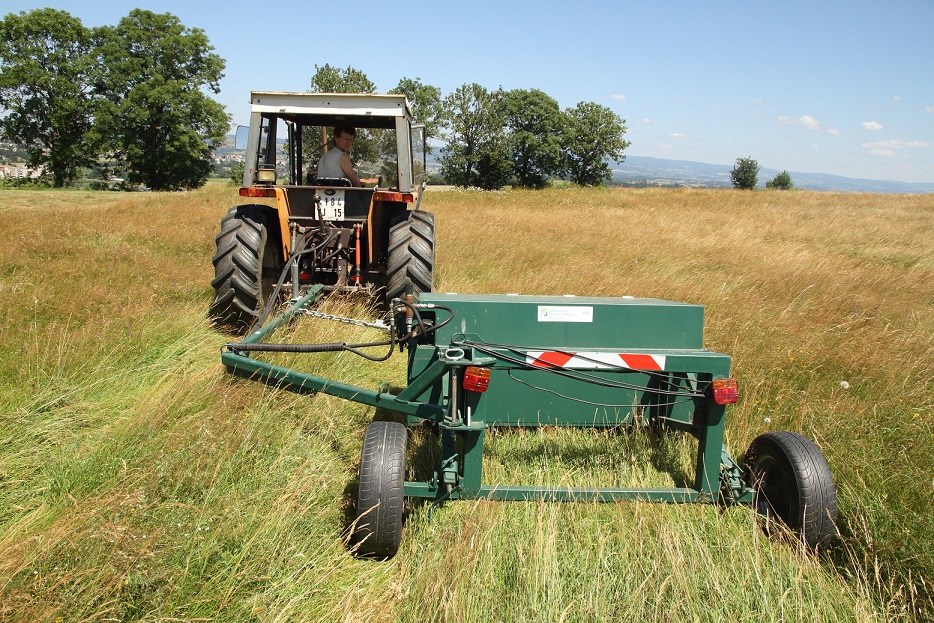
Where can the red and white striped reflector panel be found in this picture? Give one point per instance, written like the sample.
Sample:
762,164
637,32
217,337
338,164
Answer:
594,361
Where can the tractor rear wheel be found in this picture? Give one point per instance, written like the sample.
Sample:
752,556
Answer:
245,266
793,484
411,254
377,530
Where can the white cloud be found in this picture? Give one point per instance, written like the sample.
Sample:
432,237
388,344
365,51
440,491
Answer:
834,131
872,126
643,121
929,109
897,98
891,148
896,144
805,121
677,135
618,96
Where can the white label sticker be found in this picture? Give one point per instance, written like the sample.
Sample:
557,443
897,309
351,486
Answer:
564,313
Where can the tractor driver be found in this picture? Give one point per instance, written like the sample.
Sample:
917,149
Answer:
335,163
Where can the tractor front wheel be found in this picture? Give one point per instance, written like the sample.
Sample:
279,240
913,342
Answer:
793,484
377,530
245,266
411,256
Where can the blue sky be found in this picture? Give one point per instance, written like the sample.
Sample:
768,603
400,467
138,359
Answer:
823,86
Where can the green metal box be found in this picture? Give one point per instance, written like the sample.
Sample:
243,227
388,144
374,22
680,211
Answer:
577,361
572,321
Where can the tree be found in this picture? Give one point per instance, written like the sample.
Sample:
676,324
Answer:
425,101
745,174
236,173
329,79
154,115
782,181
476,152
593,135
536,127
45,73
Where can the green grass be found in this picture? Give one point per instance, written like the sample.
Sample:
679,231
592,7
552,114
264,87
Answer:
138,482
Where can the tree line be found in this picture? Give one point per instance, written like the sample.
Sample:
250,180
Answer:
492,138
745,176
131,92
135,93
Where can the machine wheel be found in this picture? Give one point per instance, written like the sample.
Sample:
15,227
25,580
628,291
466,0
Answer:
411,254
378,528
793,484
245,266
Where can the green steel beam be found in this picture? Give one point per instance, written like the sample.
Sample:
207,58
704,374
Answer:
284,317
554,494
304,383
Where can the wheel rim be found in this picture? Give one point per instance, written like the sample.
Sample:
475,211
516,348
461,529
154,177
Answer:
775,488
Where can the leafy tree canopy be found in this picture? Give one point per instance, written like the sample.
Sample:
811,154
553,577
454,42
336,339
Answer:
745,173
782,181
153,113
45,71
425,101
593,136
329,79
476,151
535,126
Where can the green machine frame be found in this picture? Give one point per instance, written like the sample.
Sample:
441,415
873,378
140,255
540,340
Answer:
482,361
672,392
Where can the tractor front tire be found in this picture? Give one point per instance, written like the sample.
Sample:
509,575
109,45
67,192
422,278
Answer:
377,530
241,286
411,256
793,484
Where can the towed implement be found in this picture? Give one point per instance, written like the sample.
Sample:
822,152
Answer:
482,361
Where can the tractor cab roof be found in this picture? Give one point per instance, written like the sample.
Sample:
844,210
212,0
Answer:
361,110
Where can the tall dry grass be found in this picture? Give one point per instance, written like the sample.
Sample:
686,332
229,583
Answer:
138,482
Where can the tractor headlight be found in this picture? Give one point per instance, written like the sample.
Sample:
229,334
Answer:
266,176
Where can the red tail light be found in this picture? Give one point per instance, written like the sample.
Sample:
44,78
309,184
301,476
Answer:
725,391
388,195
257,192
476,379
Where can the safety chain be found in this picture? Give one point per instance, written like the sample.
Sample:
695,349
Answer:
379,324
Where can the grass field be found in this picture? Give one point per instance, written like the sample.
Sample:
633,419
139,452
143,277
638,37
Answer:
138,482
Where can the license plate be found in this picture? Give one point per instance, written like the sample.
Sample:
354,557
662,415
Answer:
332,204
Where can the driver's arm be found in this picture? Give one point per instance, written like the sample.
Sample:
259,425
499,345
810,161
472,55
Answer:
347,168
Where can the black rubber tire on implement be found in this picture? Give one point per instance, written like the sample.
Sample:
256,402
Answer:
411,256
793,484
241,288
378,528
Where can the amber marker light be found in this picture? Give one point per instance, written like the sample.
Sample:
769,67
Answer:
725,391
476,379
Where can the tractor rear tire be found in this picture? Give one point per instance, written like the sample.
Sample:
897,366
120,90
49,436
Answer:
793,484
377,530
411,257
242,287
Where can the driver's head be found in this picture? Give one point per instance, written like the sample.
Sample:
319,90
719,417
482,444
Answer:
344,136
341,130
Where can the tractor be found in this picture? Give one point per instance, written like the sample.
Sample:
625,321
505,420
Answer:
309,231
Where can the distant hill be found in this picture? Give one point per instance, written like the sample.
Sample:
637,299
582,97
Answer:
663,172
